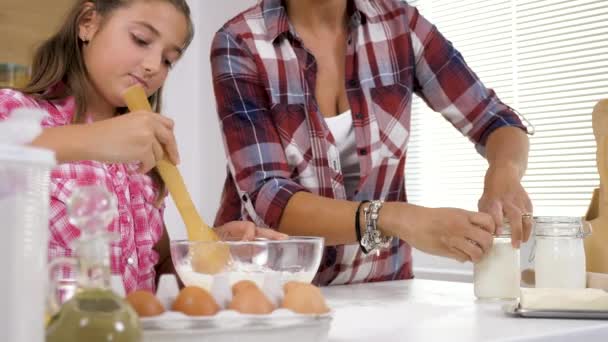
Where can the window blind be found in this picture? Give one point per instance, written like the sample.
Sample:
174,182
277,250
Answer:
546,58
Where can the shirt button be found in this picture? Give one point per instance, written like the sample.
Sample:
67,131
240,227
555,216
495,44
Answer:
130,261
119,174
363,152
353,83
359,116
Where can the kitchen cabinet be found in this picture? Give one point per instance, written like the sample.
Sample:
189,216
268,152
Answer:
26,23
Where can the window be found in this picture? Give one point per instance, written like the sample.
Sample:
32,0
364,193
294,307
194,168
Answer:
546,58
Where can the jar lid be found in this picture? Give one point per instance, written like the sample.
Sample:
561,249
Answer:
505,229
560,226
27,155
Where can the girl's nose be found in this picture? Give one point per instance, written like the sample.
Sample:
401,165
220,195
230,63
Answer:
152,63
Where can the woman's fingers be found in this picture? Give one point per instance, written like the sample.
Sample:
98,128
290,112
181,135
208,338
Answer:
480,237
515,216
469,247
458,255
527,220
271,234
483,221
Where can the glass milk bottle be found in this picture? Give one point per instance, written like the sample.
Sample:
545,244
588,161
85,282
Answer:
94,313
559,257
497,275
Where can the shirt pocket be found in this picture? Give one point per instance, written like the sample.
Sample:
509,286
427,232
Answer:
62,189
391,107
288,119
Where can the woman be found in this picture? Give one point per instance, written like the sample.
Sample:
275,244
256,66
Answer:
314,100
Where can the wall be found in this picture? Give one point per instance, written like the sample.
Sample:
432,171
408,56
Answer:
24,23
190,102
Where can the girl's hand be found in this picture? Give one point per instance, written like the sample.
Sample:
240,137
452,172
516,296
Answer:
139,136
449,232
246,231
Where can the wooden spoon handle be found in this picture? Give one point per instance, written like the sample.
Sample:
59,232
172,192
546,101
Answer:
600,130
198,230
602,168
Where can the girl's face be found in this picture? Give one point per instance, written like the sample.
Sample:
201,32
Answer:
137,43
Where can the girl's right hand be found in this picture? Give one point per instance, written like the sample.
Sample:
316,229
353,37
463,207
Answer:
449,232
137,136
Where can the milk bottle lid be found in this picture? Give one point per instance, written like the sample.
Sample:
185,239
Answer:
26,155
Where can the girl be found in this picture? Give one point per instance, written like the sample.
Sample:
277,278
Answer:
79,75
314,98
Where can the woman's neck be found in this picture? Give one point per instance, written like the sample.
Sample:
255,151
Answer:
323,14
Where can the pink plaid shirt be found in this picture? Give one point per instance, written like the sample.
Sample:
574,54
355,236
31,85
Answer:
277,141
139,223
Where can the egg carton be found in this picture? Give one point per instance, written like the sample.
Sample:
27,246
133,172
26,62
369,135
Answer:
229,325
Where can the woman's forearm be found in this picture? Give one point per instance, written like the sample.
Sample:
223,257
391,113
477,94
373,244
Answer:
312,215
508,147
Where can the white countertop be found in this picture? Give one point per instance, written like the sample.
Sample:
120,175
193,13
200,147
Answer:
428,310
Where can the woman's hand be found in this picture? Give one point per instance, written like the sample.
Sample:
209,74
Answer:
449,232
246,231
139,136
504,196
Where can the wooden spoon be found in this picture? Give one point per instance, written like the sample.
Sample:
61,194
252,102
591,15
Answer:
210,258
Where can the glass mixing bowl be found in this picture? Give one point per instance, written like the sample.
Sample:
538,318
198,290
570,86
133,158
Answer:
265,262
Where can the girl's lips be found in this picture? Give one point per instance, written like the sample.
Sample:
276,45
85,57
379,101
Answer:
139,81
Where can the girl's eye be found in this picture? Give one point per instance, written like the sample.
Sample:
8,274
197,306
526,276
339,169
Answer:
139,41
168,63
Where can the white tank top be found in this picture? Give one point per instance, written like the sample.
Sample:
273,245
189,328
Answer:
341,127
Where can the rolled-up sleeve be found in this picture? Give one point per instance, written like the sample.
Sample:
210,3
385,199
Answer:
256,159
446,83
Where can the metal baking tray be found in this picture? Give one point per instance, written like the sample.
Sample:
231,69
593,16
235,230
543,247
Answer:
514,309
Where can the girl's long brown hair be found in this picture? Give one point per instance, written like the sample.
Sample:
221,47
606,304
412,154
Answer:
59,60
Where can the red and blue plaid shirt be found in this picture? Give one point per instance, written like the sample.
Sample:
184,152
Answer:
278,143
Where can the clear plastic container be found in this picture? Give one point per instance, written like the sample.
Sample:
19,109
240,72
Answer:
559,256
24,208
497,275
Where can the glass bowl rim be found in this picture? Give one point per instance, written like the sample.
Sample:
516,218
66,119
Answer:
257,241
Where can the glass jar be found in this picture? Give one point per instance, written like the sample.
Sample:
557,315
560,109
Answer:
13,75
497,275
559,256
94,313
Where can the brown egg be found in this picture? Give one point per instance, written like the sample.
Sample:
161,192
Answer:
304,298
194,301
247,298
145,303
